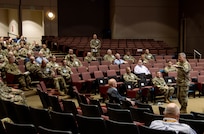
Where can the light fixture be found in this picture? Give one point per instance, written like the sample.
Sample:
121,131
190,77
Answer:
50,15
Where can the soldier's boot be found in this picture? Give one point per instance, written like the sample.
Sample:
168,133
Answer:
166,100
183,110
25,89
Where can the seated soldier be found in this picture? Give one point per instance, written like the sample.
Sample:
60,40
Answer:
159,82
130,77
11,94
23,78
50,77
89,57
74,62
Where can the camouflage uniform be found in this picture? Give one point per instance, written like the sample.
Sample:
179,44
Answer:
148,56
59,81
34,70
183,82
52,64
75,63
131,78
46,52
23,52
108,57
161,84
67,57
170,69
129,57
23,79
66,72
6,93
95,45
89,59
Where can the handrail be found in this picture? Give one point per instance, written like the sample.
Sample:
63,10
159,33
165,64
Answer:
8,33
198,53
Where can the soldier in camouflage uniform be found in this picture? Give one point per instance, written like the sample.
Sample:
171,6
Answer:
130,77
70,53
89,57
46,51
128,56
34,68
23,51
109,56
65,71
183,81
74,62
23,78
160,83
95,45
11,94
170,67
52,63
148,55
50,76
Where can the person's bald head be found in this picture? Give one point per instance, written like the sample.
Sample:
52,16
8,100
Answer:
172,111
112,83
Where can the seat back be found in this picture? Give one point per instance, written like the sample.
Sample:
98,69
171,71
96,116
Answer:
90,110
142,105
115,127
138,113
43,130
113,105
86,75
13,128
82,69
120,115
91,125
23,114
54,103
63,121
40,117
149,117
69,107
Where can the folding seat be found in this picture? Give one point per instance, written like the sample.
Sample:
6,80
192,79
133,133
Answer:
70,107
94,63
74,70
23,114
124,66
63,121
104,69
120,115
149,117
90,82
85,63
91,69
76,81
138,113
114,67
55,103
115,127
193,60
14,128
91,125
43,130
90,110
103,62
48,90
82,69
40,117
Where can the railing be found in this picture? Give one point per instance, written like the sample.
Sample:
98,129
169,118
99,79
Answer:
8,33
195,52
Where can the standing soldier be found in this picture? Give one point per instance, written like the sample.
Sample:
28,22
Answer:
95,45
183,81
23,78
